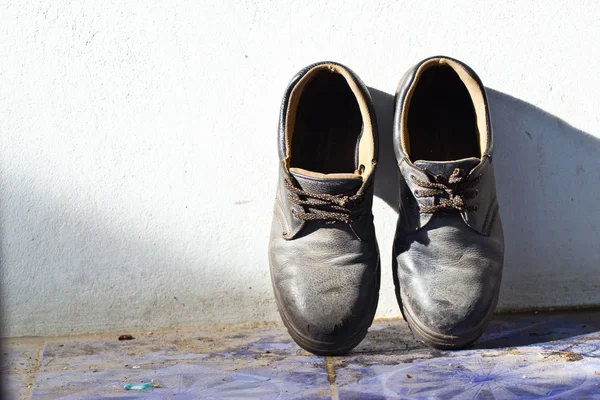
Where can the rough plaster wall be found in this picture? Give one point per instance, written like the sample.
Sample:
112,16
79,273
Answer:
138,151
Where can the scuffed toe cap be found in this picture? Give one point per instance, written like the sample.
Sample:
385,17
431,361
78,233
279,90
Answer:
459,313
450,301
449,278
326,283
329,304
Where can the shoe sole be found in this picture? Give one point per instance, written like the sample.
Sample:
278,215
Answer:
438,340
322,348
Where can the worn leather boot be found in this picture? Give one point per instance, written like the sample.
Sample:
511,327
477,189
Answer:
323,252
449,245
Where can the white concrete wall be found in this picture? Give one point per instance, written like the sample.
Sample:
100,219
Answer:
138,148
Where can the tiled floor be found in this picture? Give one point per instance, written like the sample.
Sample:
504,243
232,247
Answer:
550,355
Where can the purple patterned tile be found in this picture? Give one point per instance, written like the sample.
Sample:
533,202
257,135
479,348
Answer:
521,356
471,375
261,364
211,380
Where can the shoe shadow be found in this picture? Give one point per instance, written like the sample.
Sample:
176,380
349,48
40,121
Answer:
554,330
386,180
520,329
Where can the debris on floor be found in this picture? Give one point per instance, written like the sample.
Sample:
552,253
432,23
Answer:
126,337
142,386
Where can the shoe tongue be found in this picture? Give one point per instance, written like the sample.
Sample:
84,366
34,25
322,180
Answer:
326,183
445,168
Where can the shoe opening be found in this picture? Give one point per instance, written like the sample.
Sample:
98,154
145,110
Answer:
327,131
442,121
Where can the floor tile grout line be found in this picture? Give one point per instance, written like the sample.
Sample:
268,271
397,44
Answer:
331,375
36,370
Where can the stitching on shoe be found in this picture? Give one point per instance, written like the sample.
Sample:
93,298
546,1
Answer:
491,217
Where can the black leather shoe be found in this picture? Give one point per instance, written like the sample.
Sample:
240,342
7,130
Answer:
449,246
323,252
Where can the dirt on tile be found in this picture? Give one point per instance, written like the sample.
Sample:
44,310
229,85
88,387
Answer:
567,356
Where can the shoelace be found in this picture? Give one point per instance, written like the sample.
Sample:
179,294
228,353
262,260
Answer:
451,192
325,207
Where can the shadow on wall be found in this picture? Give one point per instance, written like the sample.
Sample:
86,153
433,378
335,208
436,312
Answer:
547,175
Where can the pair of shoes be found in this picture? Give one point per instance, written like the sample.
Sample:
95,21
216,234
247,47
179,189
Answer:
448,247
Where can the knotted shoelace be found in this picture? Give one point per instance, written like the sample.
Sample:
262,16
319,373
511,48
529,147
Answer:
324,207
450,192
